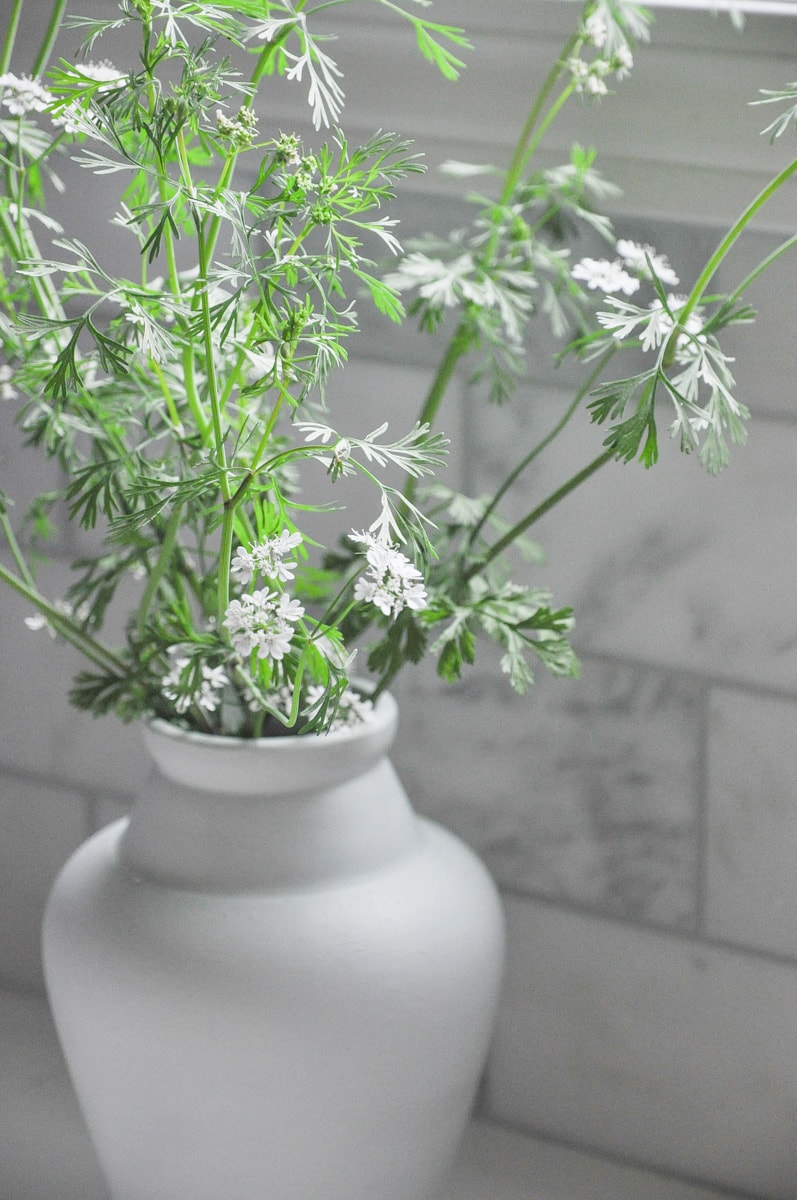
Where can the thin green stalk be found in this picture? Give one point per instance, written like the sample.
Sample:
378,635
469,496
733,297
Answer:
194,402
11,34
207,328
225,176
534,453
161,566
225,558
166,392
727,243
43,57
455,350
210,364
16,552
526,143
763,266
520,155
82,641
526,522
545,124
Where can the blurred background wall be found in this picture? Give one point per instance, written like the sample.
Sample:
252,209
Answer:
640,821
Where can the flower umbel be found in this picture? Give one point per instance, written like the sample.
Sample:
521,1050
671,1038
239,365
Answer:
391,582
267,559
262,623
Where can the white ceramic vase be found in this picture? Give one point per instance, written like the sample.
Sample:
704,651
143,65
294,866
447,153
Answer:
274,982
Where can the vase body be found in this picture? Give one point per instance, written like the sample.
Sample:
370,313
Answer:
274,981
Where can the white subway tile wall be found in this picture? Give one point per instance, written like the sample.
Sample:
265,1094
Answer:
654,1048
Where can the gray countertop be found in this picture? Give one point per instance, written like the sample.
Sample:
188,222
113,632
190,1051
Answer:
45,1153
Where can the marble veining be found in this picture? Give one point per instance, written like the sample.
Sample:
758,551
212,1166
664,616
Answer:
584,791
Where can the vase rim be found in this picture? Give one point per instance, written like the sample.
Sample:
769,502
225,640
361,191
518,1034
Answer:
385,713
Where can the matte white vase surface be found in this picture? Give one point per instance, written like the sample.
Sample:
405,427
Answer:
274,981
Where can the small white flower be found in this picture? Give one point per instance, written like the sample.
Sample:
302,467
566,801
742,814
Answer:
243,565
596,29
103,72
595,85
39,621
338,464
578,69
604,276
289,610
76,117
624,60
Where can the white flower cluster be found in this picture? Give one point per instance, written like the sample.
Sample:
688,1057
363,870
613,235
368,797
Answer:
240,129
605,276
21,94
262,622
602,32
267,559
7,389
634,261
590,77
182,687
392,582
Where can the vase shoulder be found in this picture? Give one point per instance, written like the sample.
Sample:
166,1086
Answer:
231,814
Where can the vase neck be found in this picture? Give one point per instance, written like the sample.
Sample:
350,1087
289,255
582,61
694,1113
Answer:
228,814
215,841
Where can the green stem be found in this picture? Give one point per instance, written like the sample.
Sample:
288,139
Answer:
11,33
194,402
731,237
225,558
457,348
521,152
16,552
161,566
525,146
82,641
555,498
207,328
534,453
225,176
544,125
763,266
59,7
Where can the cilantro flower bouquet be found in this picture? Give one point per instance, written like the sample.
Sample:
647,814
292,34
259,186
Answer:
185,400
